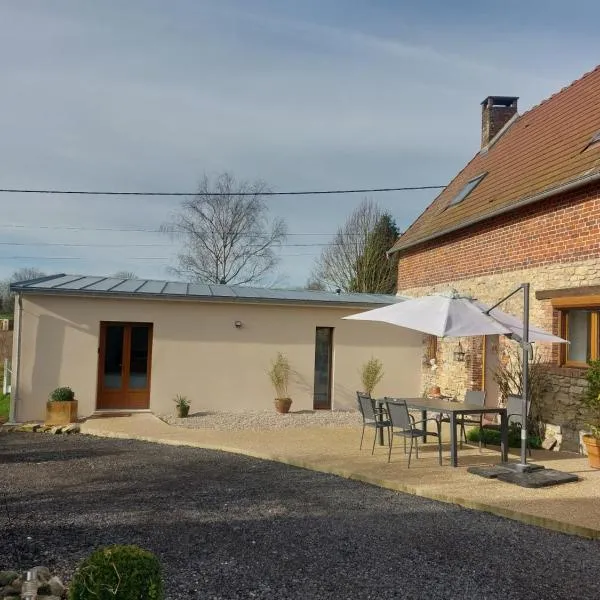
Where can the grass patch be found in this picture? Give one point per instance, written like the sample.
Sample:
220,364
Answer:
492,436
4,405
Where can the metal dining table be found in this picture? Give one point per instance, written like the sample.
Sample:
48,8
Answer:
454,409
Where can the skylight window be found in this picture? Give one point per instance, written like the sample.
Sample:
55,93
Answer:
467,189
595,141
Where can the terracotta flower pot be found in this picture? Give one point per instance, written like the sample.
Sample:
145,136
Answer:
592,445
61,412
435,391
282,405
182,411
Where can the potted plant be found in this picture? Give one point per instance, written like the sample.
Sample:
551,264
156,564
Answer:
61,408
591,400
182,406
279,374
371,374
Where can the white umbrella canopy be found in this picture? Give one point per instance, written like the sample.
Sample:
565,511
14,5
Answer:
453,315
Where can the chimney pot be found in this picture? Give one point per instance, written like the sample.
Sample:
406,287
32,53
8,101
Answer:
496,111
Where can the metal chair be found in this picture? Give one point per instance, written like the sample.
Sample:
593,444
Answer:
405,426
476,397
514,413
372,417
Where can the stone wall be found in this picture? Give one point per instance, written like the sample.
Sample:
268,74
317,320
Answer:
562,406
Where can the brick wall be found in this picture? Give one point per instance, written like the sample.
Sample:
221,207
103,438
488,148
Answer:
552,245
556,230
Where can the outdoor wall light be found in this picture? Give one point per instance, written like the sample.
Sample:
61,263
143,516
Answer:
238,324
459,353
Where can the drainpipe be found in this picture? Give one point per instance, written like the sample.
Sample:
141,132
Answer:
14,380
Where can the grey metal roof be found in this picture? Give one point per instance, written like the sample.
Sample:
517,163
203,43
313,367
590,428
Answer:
83,285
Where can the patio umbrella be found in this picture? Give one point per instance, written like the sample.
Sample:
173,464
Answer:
453,315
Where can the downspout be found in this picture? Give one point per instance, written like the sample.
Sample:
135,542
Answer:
14,380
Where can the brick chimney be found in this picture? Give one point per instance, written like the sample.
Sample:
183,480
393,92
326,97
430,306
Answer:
496,111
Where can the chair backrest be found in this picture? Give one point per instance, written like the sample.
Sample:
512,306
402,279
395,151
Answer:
514,408
476,397
366,405
398,413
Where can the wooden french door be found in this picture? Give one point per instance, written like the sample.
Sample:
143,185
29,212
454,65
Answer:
124,365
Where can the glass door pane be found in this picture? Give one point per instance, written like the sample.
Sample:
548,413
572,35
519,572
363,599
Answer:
578,324
138,357
113,357
323,356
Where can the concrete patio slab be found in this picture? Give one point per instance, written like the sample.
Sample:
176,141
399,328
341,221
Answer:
571,508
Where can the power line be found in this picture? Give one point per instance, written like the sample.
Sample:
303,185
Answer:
124,258
148,230
306,193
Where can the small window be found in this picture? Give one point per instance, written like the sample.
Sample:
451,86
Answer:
594,141
466,190
580,327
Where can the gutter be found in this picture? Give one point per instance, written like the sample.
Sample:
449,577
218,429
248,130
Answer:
14,382
565,187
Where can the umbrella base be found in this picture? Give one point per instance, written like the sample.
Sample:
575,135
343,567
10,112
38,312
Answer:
520,467
536,478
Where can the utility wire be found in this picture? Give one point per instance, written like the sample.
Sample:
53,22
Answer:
142,230
307,193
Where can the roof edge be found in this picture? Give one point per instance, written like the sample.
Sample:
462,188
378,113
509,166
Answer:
562,187
209,299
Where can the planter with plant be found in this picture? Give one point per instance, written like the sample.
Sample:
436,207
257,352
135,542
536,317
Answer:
591,400
182,406
371,374
279,374
61,408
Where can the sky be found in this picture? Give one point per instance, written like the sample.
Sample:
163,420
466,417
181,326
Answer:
149,95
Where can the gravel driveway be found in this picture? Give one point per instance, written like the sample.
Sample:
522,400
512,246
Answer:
227,526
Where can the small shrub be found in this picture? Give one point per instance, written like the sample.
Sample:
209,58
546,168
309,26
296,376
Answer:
492,436
591,397
371,374
118,573
181,401
62,394
279,374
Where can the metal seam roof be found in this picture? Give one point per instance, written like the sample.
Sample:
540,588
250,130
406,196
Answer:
70,285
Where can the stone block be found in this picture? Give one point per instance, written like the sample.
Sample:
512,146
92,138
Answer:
57,429
549,443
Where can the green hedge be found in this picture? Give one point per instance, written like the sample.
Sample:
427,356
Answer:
118,573
492,436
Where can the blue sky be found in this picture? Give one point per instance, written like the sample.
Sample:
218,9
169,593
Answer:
149,95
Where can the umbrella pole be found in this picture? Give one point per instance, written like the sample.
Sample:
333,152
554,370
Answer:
525,347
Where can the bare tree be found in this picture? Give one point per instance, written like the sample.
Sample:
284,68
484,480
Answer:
7,298
226,232
355,260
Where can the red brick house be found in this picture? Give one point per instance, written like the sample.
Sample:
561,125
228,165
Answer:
526,208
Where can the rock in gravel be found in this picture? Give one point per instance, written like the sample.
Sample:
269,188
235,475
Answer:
71,428
42,574
7,577
56,586
56,429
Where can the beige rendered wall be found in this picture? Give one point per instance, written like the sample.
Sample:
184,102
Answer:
198,352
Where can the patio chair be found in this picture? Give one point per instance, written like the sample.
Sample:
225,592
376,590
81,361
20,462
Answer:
372,416
405,426
513,415
476,397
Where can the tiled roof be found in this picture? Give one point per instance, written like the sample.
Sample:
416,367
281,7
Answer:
540,151
85,285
